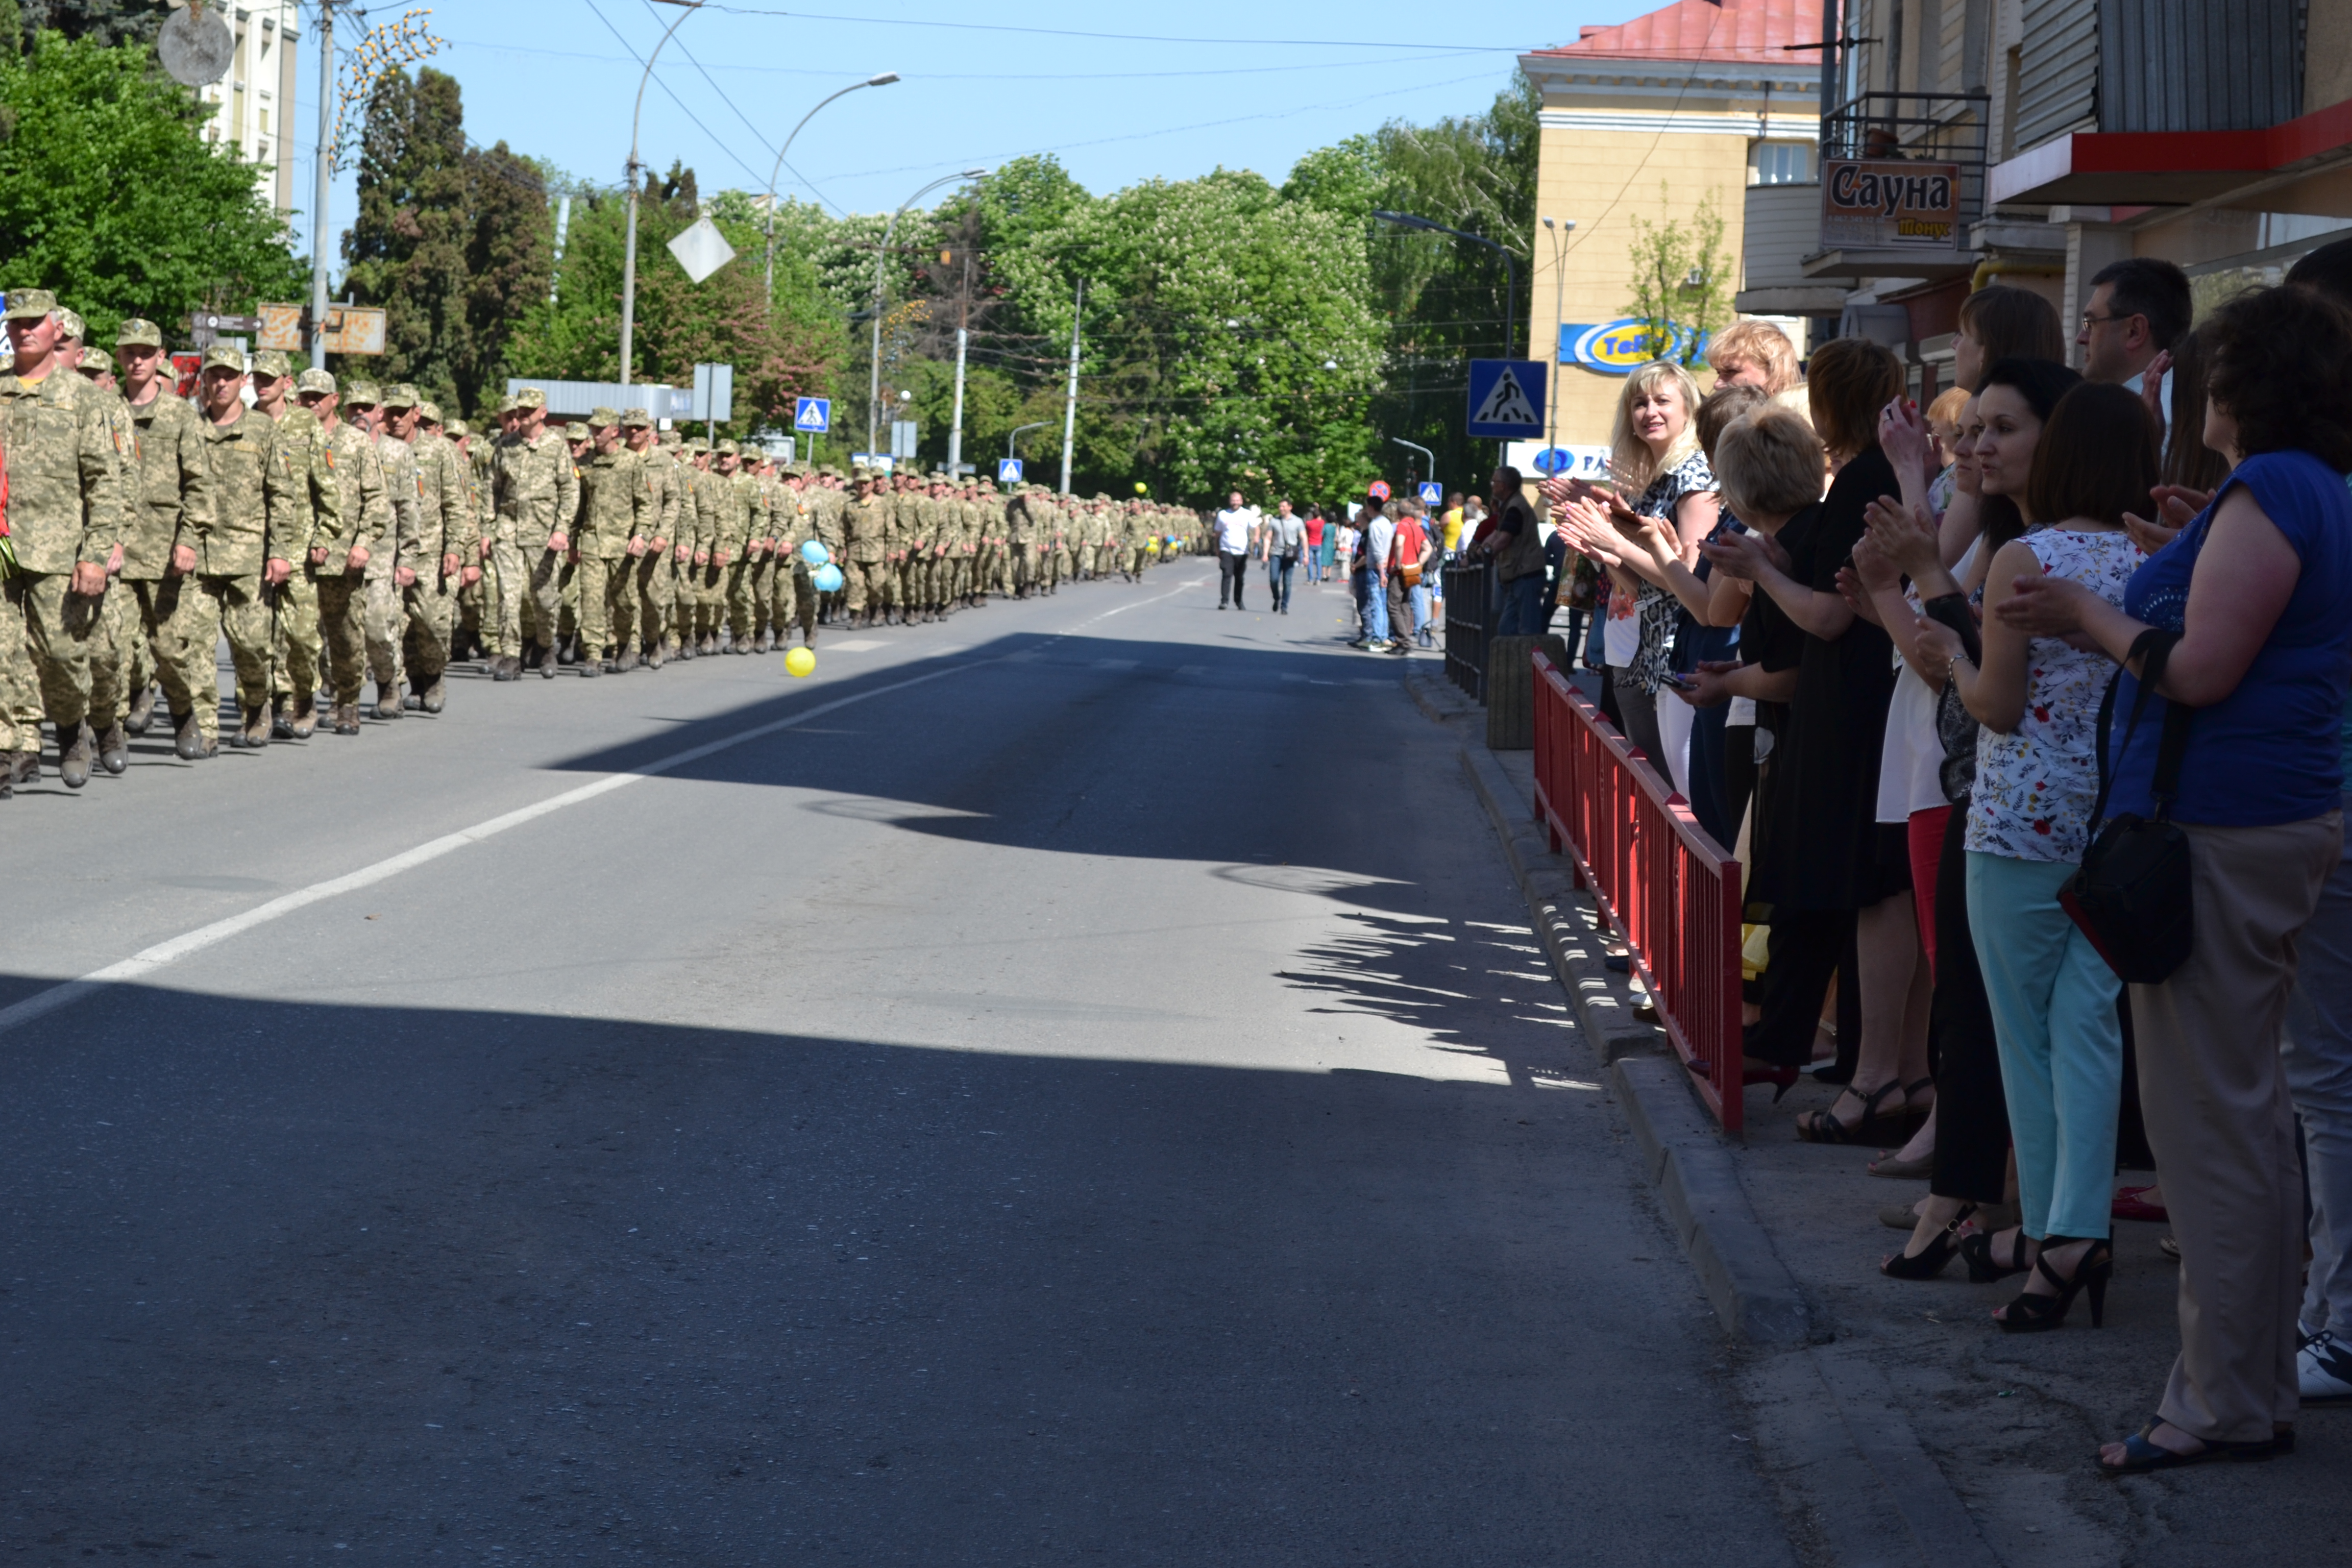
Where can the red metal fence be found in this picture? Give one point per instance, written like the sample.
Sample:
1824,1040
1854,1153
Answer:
1669,891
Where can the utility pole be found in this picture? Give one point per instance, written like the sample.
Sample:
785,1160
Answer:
629,256
325,170
963,339
1070,409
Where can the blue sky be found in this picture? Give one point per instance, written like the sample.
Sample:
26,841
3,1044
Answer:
1119,93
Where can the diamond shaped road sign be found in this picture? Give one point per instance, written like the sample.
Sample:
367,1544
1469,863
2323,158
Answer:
1506,398
813,415
1008,470
701,249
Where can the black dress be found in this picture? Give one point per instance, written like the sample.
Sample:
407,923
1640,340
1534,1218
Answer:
1830,851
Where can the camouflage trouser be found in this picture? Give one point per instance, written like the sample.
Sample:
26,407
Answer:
209,605
590,584
542,610
478,607
567,603
63,632
710,598
763,595
795,601
295,660
20,688
342,599
135,643
383,622
1017,565
430,608
1138,556
657,579
624,619
737,588
504,583
866,588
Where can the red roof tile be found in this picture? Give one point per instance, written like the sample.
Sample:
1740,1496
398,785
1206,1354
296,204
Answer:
1750,30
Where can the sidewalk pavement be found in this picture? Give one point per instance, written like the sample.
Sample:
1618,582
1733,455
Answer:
1897,1415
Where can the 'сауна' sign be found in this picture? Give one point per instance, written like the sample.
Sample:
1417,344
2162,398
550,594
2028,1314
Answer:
1869,204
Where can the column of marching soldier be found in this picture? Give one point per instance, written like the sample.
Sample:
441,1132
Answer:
337,535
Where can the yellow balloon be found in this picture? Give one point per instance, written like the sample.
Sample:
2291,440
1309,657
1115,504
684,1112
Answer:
800,661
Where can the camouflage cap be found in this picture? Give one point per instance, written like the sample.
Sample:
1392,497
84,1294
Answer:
272,361
726,447
71,323
402,394
600,417
29,304
224,354
509,403
638,419
531,397
430,410
315,380
135,333
363,395
95,365
673,437
457,429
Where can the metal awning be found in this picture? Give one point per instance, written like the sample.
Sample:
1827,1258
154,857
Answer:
2168,168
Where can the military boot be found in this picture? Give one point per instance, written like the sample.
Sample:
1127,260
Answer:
142,713
547,663
590,668
387,701
281,710
653,659
114,750
625,662
187,738
305,722
255,733
505,666
28,767
73,758
347,718
435,697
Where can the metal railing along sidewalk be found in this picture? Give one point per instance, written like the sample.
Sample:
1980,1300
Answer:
1671,892
1470,610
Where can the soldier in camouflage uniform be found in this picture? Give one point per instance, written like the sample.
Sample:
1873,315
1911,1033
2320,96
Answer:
827,502
341,549
298,654
381,620
745,520
174,499
652,577
69,489
608,502
536,496
865,527
260,503
111,657
448,540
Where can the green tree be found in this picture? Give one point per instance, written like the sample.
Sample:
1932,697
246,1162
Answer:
1682,281
105,22
456,242
143,216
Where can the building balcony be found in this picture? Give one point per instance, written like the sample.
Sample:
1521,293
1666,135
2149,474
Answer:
1783,227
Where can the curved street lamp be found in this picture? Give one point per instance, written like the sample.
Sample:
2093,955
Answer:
629,257
1510,265
1015,436
882,254
884,79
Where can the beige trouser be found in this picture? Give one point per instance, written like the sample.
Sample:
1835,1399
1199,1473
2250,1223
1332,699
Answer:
2222,1127
210,605
297,656
430,604
504,584
342,599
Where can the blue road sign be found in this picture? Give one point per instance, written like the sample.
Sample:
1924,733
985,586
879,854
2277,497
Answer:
1431,494
1506,398
1008,470
812,414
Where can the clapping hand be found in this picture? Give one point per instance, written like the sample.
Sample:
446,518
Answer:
2151,386
1905,440
1905,536
1706,688
2045,606
1746,555
2177,507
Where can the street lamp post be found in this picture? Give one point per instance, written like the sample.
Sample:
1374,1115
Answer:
1015,436
629,256
884,79
1428,455
1559,233
881,255
1510,266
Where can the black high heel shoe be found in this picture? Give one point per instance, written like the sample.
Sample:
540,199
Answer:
2031,1314
1940,1251
1824,1127
1983,1268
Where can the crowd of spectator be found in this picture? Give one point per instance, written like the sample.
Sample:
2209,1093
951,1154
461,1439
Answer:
1914,667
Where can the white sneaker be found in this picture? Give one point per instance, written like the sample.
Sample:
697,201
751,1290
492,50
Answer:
2324,1368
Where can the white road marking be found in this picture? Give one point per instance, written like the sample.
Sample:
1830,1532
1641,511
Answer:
856,645
141,965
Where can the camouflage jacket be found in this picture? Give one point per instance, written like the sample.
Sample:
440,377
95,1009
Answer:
533,487
363,514
314,506
260,497
446,520
173,491
403,488
609,486
68,481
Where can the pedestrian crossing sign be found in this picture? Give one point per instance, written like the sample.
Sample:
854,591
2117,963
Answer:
1506,398
1008,470
1431,494
812,414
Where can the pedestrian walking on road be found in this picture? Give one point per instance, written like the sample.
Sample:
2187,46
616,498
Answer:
1237,530
1279,544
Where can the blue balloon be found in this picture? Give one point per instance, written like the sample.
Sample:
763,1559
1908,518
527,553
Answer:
827,579
814,553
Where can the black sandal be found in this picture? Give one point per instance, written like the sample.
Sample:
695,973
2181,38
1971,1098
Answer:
1983,1268
1940,1251
2030,1314
2141,1455
1821,1127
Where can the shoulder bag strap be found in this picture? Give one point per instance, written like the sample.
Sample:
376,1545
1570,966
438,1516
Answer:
2152,647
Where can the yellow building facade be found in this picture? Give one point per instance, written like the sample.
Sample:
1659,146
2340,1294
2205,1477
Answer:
1685,107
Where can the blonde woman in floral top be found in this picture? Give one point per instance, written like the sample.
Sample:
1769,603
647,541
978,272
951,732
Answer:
2085,455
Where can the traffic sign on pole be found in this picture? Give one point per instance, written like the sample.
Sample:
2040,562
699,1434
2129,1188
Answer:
1506,398
1008,470
813,415
1431,494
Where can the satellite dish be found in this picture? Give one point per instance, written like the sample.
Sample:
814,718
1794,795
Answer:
196,45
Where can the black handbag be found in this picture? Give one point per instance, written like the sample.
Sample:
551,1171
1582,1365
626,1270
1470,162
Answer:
2132,894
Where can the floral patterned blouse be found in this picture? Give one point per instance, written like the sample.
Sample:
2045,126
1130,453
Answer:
1658,609
2035,785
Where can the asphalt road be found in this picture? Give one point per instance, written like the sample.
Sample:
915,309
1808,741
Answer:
1070,1084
